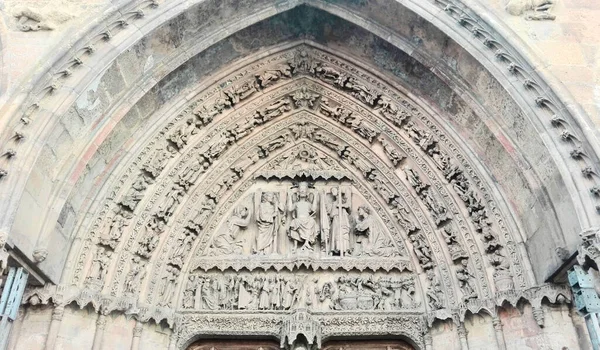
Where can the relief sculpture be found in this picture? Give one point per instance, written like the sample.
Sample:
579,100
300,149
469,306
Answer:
303,229
278,291
269,219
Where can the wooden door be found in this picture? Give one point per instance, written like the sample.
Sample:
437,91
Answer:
234,345
367,345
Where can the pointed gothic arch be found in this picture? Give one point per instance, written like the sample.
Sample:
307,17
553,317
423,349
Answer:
417,135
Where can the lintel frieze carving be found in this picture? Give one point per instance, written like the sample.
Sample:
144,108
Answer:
189,323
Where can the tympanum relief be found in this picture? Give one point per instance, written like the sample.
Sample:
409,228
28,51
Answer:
333,172
288,218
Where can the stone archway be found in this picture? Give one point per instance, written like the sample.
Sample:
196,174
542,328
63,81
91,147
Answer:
290,180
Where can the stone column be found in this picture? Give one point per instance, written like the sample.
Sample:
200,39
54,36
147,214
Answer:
428,341
57,316
137,334
499,334
173,340
99,335
462,335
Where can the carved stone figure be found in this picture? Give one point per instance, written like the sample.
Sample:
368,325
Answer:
380,185
242,91
190,174
154,227
171,200
218,190
454,246
241,129
388,109
490,239
136,192
464,277
303,228
226,242
400,212
268,219
338,209
209,294
422,251
270,146
328,74
189,294
391,152
364,129
218,147
360,91
168,286
181,134
502,273
415,180
276,293
181,248
264,299
100,263
274,110
270,76
290,293
439,213
330,143
435,293
158,161
371,239
201,218
112,236
134,277
422,138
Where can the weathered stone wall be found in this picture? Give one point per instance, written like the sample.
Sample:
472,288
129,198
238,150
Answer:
78,330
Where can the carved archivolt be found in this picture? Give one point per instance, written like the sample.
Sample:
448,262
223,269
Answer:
304,185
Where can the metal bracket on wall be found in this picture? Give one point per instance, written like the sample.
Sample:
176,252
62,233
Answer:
12,292
587,301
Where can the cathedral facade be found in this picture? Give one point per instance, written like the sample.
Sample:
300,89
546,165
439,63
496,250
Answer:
299,174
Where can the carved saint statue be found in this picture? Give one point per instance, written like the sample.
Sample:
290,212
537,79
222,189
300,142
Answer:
169,285
226,241
371,238
268,220
435,294
464,279
100,263
422,251
303,205
339,223
112,236
134,276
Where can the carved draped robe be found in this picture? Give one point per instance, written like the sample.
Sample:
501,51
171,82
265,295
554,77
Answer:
267,227
339,237
303,227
